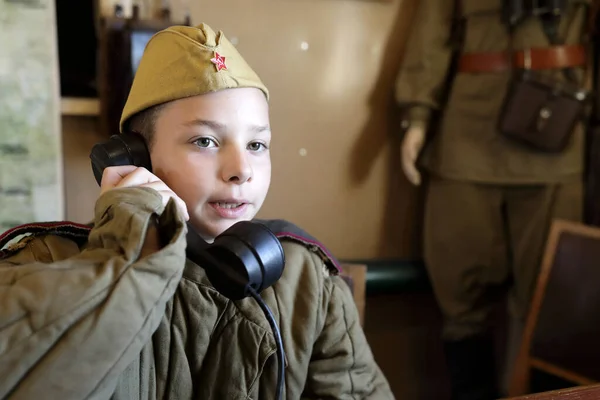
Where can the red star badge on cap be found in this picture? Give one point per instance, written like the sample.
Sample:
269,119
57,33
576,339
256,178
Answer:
219,61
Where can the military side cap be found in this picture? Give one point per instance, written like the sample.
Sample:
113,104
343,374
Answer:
184,61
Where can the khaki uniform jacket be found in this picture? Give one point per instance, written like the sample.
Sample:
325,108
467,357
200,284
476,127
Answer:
108,319
466,144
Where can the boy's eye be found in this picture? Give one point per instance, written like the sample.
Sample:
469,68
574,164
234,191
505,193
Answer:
256,146
204,142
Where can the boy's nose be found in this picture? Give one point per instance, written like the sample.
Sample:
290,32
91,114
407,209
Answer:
237,168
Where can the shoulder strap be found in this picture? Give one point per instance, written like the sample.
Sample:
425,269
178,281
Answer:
458,26
71,230
22,233
550,26
286,230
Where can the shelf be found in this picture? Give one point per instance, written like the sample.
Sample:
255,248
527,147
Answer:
79,106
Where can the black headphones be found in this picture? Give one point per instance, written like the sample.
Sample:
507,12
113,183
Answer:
247,255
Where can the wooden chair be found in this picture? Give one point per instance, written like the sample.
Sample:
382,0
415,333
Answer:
591,392
356,277
563,325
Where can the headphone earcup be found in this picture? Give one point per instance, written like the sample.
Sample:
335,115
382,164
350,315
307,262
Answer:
123,149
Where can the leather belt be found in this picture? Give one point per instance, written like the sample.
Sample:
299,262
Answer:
535,58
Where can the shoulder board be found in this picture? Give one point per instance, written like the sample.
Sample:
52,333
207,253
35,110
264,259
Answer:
286,230
22,234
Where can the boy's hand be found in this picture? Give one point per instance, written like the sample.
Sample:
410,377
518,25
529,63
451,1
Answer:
132,176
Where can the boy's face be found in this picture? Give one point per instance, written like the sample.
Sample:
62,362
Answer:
213,152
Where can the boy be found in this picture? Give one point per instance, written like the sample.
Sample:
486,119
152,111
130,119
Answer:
118,312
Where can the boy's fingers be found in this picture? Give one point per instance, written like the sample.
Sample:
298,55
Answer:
138,177
111,176
159,186
129,176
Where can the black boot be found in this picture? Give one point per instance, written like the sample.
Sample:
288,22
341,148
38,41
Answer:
472,369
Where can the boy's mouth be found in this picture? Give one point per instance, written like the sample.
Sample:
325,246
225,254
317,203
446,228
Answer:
229,209
227,205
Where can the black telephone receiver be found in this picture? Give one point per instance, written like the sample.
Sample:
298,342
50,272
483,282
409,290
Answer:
247,255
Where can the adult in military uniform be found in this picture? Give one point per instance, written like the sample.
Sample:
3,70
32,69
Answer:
490,198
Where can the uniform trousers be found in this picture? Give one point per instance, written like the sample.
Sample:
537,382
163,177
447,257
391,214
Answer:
484,240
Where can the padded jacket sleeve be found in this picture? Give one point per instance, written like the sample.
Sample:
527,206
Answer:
342,364
71,321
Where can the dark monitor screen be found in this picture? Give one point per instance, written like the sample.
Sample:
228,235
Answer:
139,40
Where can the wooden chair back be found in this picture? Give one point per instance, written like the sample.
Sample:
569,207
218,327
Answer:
563,325
590,392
